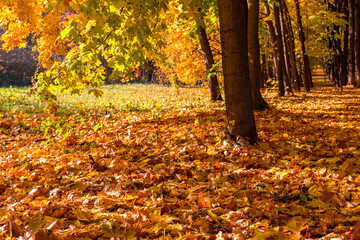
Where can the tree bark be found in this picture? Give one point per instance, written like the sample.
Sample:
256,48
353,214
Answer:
275,47
233,33
305,58
339,66
285,37
213,82
264,73
272,35
280,52
291,41
254,55
357,41
351,57
345,52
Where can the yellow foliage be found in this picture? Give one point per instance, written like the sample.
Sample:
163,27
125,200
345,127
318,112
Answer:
184,55
184,58
26,17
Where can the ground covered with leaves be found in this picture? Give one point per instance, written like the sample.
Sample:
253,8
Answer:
152,162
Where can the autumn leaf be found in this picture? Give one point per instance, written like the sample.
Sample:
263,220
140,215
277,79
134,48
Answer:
202,202
83,215
296,225
35,224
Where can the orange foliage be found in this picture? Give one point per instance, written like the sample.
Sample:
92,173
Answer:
184,58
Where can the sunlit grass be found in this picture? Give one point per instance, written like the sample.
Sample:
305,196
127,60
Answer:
134,97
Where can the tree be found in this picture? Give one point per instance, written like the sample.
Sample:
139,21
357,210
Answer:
357,41
338,40
351,60
254,55
291,46
278,64
192,49
182,58
233,31
305,58
213,82
70,37
281,55
286,48
345,51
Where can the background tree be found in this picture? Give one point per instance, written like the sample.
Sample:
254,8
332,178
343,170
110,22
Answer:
181,57
290,43
213,82
351,60
338,41
70,37
281,54
305,59
278,52
254,55
18,66
357,41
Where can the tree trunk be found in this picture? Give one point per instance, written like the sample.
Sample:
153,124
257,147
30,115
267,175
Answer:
280,50
305,58
254,55
351,57
264,74
338,66
345,52
357,41
275,47
272,36
213,82
291,41
233,33
285,40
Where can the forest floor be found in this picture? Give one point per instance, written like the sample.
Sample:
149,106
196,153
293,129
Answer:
153,162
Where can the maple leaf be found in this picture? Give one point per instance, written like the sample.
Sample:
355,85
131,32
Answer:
83,215
296,225
36,224
202,202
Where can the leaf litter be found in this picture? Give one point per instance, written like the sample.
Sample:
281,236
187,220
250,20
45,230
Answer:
151,162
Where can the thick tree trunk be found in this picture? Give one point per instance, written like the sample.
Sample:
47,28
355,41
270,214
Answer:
254,55
233,32
357,41
213,82
305,58
351,58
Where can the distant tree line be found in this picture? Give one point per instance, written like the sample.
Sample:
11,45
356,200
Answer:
18,66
